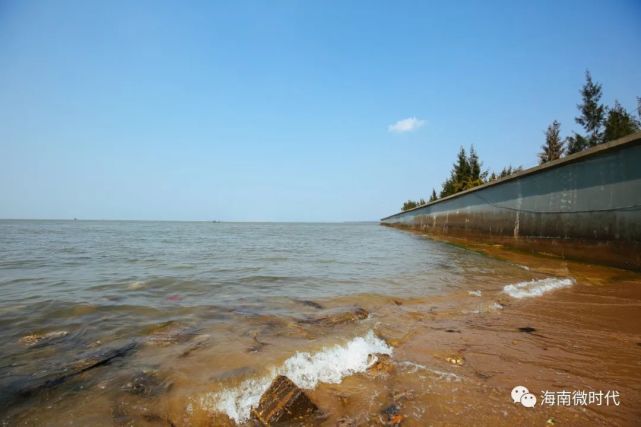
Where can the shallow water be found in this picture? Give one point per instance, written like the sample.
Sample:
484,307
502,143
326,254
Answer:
203,315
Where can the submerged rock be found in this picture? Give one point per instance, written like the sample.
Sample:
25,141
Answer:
200,342
382,366
310,303
39,339
171,333
147,383
340,317
391,416
283,402
32,385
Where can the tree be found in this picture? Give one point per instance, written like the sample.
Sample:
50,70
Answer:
619,123
592,117
410,204
433,197
462,170
421,202
477,177
466,173
509,170
553,147
576,143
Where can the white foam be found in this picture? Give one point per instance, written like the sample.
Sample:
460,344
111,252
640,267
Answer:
475,293
412,368
536,288
306,370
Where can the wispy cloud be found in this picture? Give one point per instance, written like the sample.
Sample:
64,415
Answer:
406,125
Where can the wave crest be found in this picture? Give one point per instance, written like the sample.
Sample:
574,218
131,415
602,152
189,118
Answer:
536,288
306,370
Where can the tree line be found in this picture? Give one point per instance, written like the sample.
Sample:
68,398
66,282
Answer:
600,124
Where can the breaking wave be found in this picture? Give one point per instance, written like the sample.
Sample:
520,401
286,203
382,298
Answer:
536,288
306,370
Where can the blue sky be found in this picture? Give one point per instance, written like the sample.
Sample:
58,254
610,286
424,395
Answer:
282,111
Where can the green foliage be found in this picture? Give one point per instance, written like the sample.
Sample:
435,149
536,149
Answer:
619,123
466,173
433,197
410,204
509,170
593,113
576,143
553,148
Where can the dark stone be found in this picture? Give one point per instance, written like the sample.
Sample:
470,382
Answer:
284,403
26,388
310,303
452,331
391,410
527,329
392,415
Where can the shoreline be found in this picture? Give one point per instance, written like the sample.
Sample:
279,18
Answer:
457,356
455,351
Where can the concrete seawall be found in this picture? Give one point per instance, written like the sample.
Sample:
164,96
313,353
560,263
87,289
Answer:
585,206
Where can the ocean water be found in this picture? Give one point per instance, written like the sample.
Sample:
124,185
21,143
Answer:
213,310
159,264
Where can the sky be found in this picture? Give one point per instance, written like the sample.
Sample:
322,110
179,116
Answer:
286,110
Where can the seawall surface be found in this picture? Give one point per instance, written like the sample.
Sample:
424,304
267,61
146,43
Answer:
585,206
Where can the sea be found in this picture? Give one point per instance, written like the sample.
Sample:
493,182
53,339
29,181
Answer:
188,323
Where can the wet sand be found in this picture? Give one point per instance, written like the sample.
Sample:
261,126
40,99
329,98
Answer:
456,357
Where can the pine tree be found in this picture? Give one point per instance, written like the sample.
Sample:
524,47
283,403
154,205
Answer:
433,197
410,204
466,173
475,165
553,147
509,170
576,143
477,177
462,170
619,123
592,113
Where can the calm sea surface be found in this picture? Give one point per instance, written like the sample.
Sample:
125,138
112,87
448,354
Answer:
157,264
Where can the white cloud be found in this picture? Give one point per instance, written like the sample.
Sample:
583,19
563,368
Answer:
406,125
